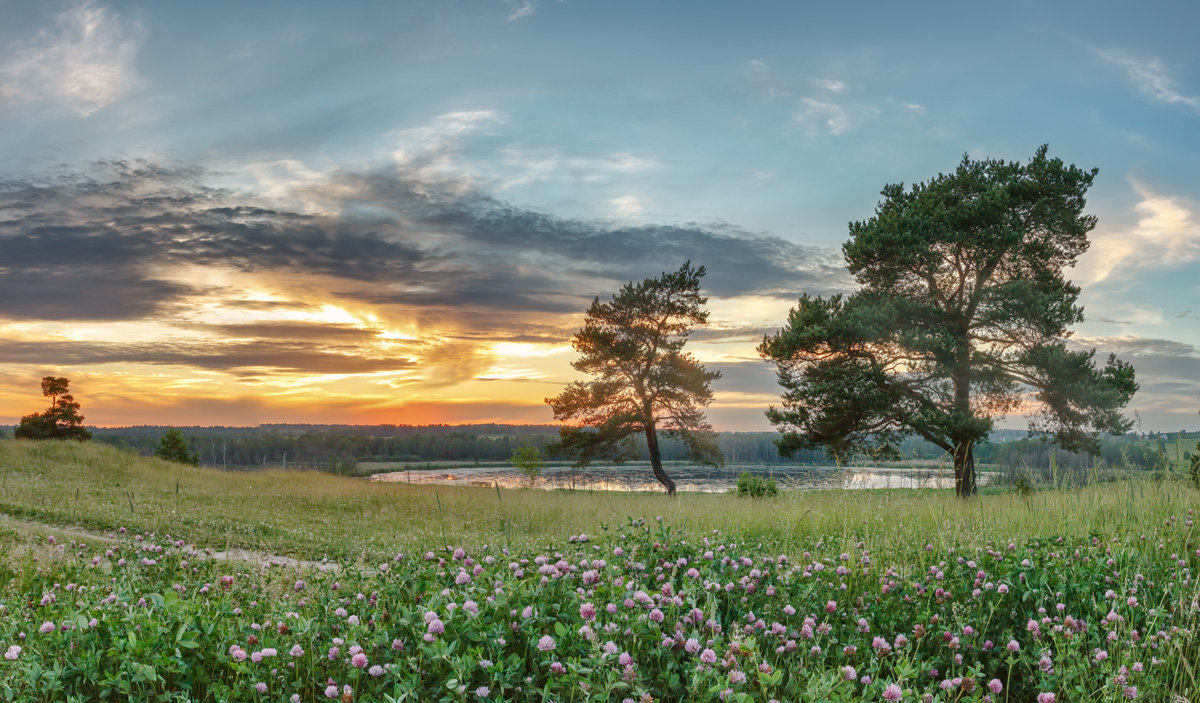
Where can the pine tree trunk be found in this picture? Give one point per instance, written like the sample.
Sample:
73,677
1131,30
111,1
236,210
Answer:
656,459
964,470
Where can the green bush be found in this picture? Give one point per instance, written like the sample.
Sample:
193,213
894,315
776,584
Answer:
752,486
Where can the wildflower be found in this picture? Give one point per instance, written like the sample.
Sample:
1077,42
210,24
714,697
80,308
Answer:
892,692
260,687
375,671
331,691
995,686
297,651
436,626
1046,697
483,691
546,643
359,661
708,656
587,611
46,628
13,652
849,673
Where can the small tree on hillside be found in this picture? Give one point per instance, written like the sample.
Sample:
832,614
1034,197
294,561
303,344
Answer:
60,421
643,382
962,315
173,447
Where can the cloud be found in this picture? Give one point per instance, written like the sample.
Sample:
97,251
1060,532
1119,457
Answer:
831,116
84,62
244,359
1151,79
137,241
520,8
429,151
541,165
1168,373
627,206
1167,234
833,86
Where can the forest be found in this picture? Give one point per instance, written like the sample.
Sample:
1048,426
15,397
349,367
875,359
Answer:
339,448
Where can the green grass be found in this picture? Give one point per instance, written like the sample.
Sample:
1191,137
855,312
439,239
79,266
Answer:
314,515
145,617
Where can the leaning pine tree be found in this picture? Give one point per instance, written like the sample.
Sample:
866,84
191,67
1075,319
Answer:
644,383
961,316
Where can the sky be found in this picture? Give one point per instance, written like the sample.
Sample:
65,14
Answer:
231,213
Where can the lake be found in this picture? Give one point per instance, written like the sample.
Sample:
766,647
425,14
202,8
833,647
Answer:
638,477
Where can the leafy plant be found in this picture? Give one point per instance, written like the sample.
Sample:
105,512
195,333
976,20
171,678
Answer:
754,486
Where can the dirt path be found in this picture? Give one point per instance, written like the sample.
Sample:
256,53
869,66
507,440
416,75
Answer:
260,559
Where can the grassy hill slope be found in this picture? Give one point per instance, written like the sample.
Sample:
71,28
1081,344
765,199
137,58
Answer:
314,515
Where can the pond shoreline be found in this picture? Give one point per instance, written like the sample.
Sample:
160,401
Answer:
633,477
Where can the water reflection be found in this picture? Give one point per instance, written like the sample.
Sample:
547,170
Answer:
637,477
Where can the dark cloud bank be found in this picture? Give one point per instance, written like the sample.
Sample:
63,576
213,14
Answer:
103,245
118,229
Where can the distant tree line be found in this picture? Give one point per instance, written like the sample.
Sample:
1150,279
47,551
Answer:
334,446
339,447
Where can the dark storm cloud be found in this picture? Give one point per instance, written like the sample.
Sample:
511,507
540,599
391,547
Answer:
746,377
1168,372
103,245
242,358
738,262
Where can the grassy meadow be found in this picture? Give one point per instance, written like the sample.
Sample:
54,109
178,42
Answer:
469,594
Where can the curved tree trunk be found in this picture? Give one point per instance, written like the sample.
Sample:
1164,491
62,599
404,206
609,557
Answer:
656,458
964,471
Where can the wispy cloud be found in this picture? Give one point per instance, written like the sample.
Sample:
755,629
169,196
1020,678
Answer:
1151,78
84,62
627,206
430,150
527,167
521,8
831,117
1167,234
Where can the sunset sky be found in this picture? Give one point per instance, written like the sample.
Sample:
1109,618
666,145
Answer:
397,212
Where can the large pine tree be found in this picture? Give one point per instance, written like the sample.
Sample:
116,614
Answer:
962,315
